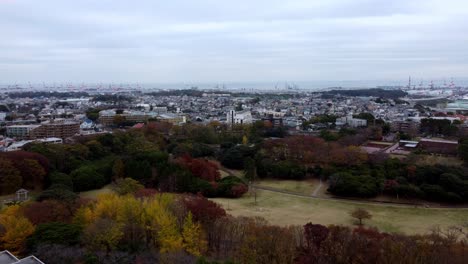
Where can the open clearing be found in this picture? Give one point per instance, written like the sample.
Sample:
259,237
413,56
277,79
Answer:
284,209
93,194
302,187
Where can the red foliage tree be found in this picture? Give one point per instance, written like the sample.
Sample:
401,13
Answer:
238,190
200,168
16,156
315,235
32,166
48,211
202,209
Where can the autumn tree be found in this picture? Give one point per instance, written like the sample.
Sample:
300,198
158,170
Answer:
193,235
17,229
33,174
202,209
127,186
200,168
48,211
145,192
360,214
10,178
103,234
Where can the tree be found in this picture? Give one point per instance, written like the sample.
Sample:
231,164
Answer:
92,114
55,233
48,211
193,235
463,149
315,235
250,170
87,178
200,168
127,186
17,230
245,140
10,178
360,214
61,178
202,209
103,234
33,173
58,192
96,150
118,170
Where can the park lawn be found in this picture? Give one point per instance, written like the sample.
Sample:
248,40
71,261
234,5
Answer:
302,187
93,194
284,209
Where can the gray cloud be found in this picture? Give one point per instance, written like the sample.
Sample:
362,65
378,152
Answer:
212,40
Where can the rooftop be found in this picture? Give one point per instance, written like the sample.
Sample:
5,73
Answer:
7,258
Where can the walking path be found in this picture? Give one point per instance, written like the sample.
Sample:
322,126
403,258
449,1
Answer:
317,189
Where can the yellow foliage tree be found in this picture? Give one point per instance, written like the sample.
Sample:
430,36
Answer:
16,229
152,214
103,234
245,140
194,237
162,224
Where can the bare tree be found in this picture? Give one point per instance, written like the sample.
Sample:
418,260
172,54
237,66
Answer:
360,214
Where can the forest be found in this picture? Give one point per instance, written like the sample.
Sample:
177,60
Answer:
158,211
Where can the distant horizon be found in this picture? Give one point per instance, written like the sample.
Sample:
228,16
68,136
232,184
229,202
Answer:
262,85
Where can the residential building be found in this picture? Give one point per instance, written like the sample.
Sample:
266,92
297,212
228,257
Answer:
58,128
7,258
408,127
20,131
241,117
175,119
351,121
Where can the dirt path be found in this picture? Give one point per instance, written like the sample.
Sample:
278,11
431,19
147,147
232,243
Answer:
317,189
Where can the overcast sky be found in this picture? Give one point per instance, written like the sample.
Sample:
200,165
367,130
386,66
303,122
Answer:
238,40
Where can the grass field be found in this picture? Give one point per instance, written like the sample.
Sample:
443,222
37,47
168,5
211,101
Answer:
93,194
303,187
283,209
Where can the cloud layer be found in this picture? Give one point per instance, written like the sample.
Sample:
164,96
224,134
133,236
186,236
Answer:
242,40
